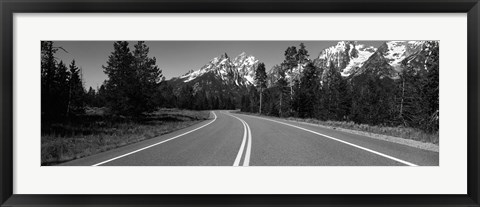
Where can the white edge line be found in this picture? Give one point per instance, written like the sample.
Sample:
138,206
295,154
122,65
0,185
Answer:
339,140
118,157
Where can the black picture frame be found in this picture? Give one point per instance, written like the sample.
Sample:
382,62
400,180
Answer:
9,7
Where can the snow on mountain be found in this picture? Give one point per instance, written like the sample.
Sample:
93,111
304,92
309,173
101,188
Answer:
333,51
240,71
393,56
339,55
194,74
246,66
347,56
396,51
357,60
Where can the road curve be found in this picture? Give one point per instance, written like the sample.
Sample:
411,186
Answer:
231,139
277,142
214,142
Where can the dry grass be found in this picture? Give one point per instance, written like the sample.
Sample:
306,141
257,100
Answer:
97,132
401,132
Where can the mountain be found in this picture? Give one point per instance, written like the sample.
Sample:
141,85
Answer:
388,59
352,59
393,56
347,56
418,60
396,51
221,74
378,65
224,74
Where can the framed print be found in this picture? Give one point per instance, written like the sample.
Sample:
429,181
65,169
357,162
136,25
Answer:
245,103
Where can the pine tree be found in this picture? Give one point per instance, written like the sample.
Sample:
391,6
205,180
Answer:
291,60
418,93
90,97
243,105
289,63
200,103
296,98
432,87
61,90
332,82
253,99
133,79
302,54
122,85
283,90
373,99
271,101
345,100
216,103
48,68
309,87
76,92
101,96
186,97
148,77
166,96
206,102
261,81
409,97
48,63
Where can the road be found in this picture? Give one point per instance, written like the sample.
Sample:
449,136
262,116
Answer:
231,139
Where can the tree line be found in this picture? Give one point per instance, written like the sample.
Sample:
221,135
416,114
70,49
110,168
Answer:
61,86
321,92
135,86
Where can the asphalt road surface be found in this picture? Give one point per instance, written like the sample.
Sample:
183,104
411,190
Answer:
231,139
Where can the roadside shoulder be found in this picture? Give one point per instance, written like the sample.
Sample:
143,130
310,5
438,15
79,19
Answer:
398,140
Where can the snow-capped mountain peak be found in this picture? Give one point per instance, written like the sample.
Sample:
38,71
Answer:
246,66
340,47
347,56
396,51
358,58
241,70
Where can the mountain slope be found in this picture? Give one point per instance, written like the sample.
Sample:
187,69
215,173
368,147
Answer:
224,75
240,71
347,56
388,59
396,51
221,76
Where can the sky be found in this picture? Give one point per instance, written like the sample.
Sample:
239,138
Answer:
176,58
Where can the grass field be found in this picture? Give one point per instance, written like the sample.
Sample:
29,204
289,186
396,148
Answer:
97,132
401,132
